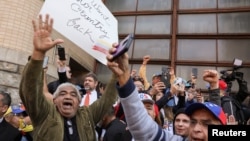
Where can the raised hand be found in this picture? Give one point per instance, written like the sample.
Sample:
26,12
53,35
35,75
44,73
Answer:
60,63
146,58
120,66
212,77
178,89
157,88
42,40
231,120
133,73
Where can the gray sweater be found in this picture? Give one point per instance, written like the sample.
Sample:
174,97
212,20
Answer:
140,124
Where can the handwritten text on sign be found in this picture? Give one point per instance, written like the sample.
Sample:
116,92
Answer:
84,22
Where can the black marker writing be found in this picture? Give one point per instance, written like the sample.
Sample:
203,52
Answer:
85,4
97,7
85,31
96,23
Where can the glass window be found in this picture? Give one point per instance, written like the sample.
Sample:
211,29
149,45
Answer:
130,50
158,24
151,70
230,49
233,3
200,23
155,5
121,5
234,22
185,73
197,50
156,48
197,4
126,24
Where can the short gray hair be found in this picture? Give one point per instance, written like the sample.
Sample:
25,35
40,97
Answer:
56,93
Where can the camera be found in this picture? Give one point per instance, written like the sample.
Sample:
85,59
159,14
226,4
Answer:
232,74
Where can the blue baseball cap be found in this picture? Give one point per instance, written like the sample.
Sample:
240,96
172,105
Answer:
16,109
213,108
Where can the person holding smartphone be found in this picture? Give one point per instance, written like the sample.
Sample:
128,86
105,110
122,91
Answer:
64,75
140,124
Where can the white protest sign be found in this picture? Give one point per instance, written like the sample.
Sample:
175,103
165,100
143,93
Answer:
84,22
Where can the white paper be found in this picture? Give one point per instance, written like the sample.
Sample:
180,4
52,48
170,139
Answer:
84,22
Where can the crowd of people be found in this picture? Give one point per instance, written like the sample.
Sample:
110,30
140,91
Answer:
127,108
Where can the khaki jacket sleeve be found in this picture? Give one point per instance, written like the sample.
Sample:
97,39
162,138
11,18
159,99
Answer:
103,104
31,91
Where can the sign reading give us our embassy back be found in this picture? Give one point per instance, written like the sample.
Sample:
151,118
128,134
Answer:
87,23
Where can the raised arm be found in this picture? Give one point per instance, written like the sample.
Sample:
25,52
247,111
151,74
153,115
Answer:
31,86
140,124
212,77
143,71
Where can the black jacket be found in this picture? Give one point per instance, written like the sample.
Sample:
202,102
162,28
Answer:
8,132
114,130
52,86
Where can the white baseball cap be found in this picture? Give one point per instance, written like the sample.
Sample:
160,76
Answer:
146,98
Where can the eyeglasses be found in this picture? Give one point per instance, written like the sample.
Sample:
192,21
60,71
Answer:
201,123
139,86
70,128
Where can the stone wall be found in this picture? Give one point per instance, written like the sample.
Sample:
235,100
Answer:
10,77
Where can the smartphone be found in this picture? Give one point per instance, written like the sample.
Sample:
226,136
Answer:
165,77
195,72
45,61
123,46
61,52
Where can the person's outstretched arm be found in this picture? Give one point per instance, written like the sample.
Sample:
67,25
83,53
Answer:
31,86
140,124
143,71
212,77
46,92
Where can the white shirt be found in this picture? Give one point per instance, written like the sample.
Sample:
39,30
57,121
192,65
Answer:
92,98
1,119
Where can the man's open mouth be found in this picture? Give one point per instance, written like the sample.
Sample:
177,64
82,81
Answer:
67,104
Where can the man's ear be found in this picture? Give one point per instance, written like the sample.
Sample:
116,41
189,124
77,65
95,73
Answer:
5,108
96,83
54,100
